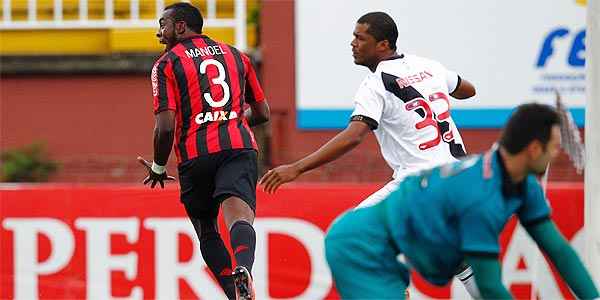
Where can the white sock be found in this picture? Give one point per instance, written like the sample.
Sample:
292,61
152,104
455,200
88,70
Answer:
468,279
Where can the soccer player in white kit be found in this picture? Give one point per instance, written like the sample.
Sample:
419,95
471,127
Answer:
405,101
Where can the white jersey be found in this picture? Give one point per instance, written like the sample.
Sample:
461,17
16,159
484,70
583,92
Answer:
407,100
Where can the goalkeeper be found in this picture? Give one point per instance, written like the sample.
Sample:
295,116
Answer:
442,217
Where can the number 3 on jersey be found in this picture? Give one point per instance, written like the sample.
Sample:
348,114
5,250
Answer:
220,80
431,120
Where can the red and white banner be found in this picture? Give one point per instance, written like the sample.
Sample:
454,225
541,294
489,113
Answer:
102,242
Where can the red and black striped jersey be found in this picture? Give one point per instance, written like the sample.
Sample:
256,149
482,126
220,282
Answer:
206,83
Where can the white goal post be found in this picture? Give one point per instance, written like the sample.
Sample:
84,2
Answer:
592,141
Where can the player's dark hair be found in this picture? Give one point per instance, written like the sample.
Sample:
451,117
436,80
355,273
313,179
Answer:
381,27
529,122
188,13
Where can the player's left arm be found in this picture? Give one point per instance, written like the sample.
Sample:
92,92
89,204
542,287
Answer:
570,267
342,143
259,111
458,87
464,90
534,214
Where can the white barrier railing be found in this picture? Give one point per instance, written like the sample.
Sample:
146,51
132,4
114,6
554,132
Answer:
238,22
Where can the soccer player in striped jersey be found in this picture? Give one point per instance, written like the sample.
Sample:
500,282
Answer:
200,87
405,101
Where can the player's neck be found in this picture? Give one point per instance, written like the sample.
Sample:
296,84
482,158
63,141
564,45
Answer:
188,34
515,165
387,55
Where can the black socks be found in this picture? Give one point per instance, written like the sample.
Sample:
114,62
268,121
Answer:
243,243
217,257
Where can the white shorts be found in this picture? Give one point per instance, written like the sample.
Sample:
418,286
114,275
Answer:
380,194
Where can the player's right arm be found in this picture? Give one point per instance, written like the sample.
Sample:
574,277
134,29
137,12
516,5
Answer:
165,106
342,143
364,119
488,276
479,230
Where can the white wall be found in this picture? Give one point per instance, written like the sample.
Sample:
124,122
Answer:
494,44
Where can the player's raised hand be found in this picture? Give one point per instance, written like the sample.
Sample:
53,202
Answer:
278,176
153,177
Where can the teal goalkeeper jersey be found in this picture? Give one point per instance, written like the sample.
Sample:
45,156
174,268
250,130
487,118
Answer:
437,216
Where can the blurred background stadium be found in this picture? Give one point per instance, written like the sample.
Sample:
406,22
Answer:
75,107
75,79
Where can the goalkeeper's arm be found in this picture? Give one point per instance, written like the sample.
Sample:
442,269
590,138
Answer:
486,269
553,244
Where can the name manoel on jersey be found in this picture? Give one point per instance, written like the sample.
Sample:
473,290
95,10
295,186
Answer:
208,50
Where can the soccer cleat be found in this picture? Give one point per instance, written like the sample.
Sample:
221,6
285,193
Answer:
244,290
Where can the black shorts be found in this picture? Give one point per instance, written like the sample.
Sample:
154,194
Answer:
209,179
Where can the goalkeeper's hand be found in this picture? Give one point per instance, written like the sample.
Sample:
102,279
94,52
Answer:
156,173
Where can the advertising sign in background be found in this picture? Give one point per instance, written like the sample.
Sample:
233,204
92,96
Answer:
124,242
513,51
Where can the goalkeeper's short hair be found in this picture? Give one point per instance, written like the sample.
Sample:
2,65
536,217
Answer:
529,122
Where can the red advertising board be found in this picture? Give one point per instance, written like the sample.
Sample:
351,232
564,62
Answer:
110,241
